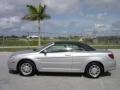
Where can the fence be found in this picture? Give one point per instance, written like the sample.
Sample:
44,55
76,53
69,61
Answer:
22,41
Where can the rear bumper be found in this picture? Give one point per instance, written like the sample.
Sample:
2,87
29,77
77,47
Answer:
110,65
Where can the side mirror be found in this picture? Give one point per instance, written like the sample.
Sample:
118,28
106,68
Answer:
44,51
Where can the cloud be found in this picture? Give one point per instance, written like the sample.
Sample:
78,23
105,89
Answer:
65,16
9,22
62,6
100,1
4,6
116,26
56,6
102,27
104,4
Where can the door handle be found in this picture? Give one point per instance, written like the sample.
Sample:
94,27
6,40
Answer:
67,55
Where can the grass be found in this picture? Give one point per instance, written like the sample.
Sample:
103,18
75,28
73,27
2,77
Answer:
106,46
21,42
12,49
34,42
26,48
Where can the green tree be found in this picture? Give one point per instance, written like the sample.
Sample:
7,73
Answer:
37,13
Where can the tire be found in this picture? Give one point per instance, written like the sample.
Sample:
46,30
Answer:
94,70
27,68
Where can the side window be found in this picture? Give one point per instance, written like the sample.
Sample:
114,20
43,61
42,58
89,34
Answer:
58,48
77,48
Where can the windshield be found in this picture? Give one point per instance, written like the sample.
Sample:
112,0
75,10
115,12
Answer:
42,47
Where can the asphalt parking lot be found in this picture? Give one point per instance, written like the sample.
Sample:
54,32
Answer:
57,81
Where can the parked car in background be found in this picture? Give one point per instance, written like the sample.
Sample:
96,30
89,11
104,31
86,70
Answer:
32,37
63,56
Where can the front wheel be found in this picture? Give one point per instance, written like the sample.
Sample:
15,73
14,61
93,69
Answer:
94,70
27,68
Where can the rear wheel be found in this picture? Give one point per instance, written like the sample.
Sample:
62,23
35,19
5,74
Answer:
26,68
94,70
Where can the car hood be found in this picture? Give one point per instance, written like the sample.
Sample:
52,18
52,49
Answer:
23,52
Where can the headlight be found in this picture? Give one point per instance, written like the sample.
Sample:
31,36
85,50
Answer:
12,56
12,59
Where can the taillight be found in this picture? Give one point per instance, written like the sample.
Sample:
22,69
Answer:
111,56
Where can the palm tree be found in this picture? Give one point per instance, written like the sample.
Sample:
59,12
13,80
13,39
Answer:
37,13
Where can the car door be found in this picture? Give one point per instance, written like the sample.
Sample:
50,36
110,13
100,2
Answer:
57,58
80,57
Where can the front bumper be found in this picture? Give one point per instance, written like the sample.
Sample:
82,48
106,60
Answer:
12,64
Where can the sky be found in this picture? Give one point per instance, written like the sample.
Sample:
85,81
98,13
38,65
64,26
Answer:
69,17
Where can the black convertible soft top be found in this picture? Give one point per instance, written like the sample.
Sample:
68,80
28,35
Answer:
85,46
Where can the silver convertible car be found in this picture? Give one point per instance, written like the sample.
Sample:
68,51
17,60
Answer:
62,56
